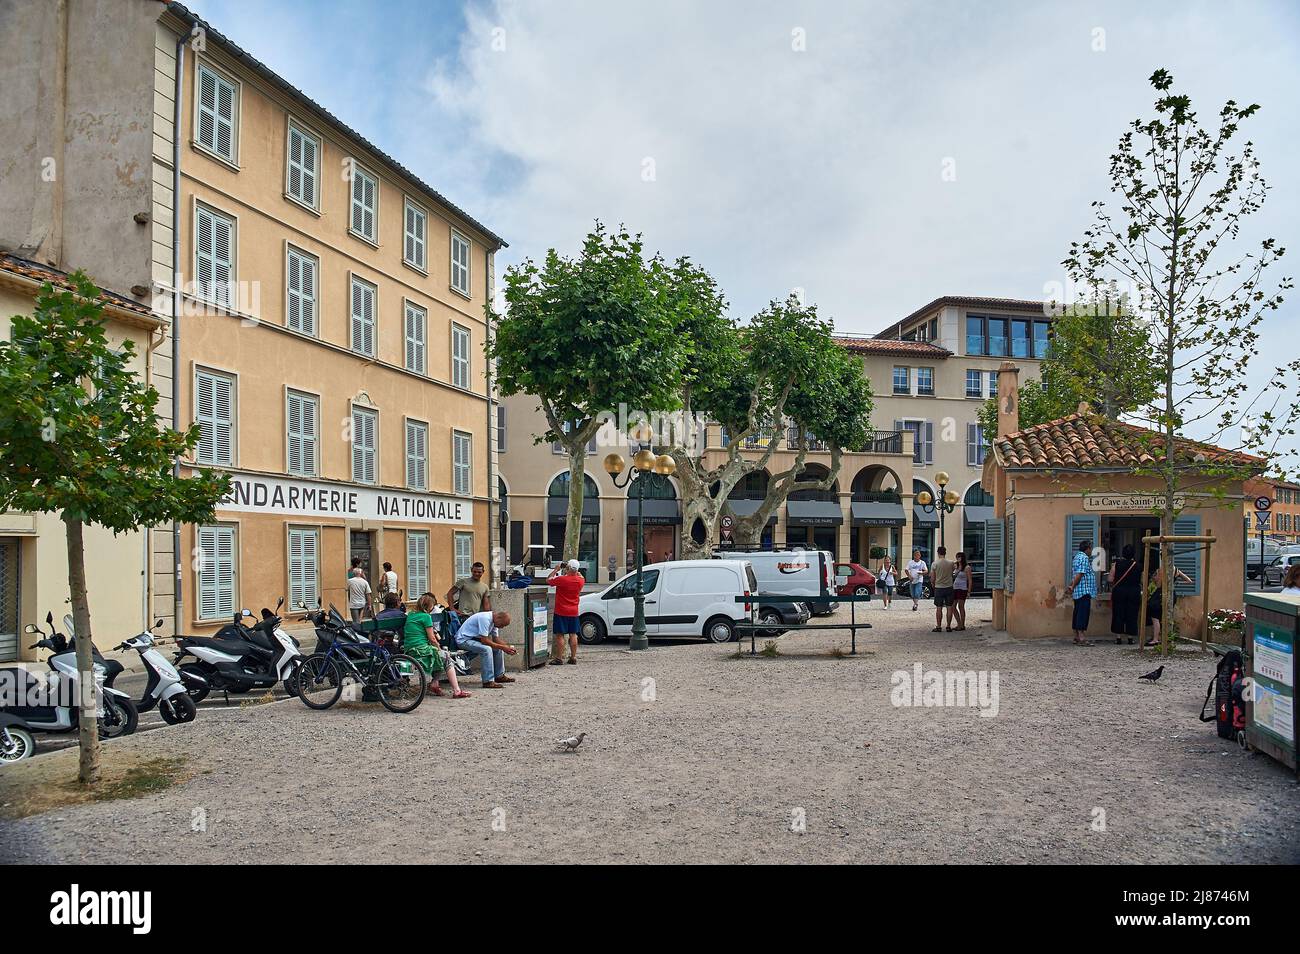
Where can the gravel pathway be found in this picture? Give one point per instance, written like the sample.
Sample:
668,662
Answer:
696,755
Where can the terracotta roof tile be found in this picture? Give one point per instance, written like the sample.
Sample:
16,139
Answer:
1094,442
60,279
892,346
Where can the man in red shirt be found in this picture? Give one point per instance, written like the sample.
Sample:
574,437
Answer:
568,581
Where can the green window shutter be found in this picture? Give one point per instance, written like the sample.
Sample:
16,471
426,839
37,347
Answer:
1011,554
1187,556
995,554
1077,529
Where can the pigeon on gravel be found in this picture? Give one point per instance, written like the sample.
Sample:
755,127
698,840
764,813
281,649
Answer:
1154,674
571,744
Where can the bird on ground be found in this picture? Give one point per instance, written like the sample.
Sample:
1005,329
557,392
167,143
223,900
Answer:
571,744
1154,674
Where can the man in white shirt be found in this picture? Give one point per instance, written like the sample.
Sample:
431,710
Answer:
358,596
916,571
480,634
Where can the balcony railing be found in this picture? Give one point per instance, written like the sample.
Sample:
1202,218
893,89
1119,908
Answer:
877,496
884,442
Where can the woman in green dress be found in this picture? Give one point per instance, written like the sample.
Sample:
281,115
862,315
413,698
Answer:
420,642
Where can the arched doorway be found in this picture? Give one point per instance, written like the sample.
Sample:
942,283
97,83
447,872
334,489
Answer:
813,517
977,507
745,497
662,517
925,526
877,515
557,508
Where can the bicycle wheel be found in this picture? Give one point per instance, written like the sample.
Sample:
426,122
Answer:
400,682
319,684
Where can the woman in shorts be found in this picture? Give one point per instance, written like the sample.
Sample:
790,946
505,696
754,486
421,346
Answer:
960,590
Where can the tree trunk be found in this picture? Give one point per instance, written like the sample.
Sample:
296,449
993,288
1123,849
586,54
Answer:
87,703
577,486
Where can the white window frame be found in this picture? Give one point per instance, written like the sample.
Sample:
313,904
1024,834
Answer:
212,421
311,467
219,76
417,564
461,269
461,367
203,564
413,242
305,132
312,598
359,170
417,462
463,538
291,252
203,291
893,379
462,474
353,281
415,348
924,370
980,378
373,413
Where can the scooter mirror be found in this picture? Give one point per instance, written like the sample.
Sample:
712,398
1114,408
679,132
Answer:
158,625
246,612
31,628
67,624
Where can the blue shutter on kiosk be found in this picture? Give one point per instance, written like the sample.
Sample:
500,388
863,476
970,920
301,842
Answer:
1187,556
1077,529
1010,547
995,554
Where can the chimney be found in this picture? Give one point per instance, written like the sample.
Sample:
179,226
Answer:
1008,399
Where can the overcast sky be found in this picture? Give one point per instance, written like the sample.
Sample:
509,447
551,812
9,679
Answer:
787,145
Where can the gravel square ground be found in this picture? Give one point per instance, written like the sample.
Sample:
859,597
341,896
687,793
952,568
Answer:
697,754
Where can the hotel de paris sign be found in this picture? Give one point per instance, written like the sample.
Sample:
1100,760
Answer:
1129,503
253,493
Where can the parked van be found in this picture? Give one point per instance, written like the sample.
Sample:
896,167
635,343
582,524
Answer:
682,598
792,573
1272,550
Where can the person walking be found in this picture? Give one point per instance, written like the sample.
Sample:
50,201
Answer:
886,580
942,586
961,577
387,582
1082,589
420,642
568,582
916,572
1125,596
358,592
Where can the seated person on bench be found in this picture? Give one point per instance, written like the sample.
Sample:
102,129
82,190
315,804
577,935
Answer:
479,635
420,642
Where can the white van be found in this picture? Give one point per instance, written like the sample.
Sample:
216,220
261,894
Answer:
682,598
792,573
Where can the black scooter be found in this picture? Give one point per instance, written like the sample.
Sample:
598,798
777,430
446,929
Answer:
240,658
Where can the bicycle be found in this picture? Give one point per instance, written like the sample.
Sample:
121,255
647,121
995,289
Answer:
397,679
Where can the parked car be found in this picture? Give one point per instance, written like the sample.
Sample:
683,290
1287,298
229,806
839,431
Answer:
781,614
858,580
1275,571
682,598
792,573
1272,550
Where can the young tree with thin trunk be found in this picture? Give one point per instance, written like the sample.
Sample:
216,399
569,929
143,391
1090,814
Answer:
79,437
1185,194
586,336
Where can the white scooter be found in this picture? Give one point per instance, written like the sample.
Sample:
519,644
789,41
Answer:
165,688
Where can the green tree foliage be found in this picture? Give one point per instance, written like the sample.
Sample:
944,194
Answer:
79,436
1100,354
587,336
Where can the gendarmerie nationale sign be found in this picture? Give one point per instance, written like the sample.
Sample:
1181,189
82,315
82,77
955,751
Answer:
250,493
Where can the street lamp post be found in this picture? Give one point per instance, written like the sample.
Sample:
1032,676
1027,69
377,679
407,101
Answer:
945,505
644,462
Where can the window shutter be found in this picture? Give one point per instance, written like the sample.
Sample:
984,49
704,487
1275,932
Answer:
415,334
203,266
302,292
1010,574
970,445
363,318
214,402
995,554
417,561
216,572
303,567
1187,556
358,193
295,439
207,108
929,442
1077,529
225,141
302,434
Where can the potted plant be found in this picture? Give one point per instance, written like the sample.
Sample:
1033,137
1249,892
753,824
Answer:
1226,625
